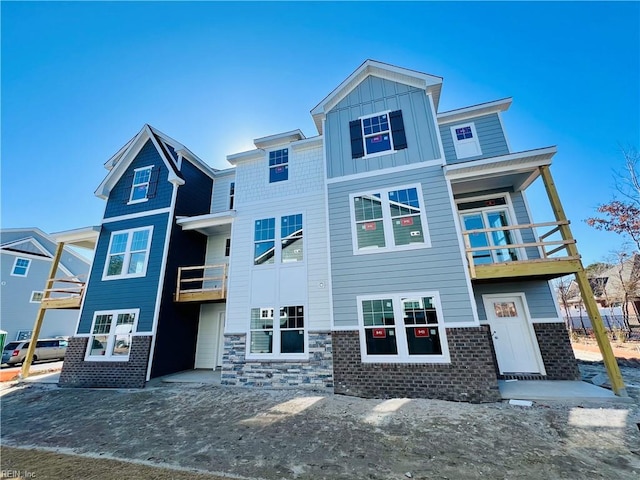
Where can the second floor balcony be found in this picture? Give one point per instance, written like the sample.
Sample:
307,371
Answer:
202,283
63,293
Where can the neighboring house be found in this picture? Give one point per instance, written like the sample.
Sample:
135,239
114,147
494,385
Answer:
27,254
390,255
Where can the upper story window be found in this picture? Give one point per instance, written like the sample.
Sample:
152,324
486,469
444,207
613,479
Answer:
140,186
111,334
402,328
36,296
465,140
232,194
389,219
290,239
128,254
278,165
377,134
20,267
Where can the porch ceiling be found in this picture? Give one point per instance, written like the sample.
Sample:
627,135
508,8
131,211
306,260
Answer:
209,224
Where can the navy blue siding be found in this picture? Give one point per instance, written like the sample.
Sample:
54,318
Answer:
194,197
492,139
119,196
537,292
177,329
137,292
376,95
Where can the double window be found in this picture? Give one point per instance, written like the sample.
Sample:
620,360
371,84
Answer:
141,184
402,328
289,238
128,254
279,165
388,219
20,267
465,140
285,336
377,134
111,334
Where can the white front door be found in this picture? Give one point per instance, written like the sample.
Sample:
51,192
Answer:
209,346
513,337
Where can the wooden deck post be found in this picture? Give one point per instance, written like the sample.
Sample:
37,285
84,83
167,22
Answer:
26,363
610,363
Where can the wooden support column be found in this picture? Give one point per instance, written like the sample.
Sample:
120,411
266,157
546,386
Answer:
26,363
610,363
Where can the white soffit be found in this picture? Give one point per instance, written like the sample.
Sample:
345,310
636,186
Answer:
465,113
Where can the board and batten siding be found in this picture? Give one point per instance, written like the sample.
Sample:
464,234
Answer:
489,129
220,199
302,193
138,292
117,204
374,95
538,293
438,268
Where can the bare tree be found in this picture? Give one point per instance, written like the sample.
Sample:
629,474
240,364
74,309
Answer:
628,180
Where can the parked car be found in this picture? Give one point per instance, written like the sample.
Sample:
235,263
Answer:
14,353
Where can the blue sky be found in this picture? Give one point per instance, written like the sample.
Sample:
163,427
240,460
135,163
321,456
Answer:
80,79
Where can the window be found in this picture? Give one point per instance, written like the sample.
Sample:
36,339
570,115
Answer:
402,328
24,334
111,334
286,337
465,141
389,219
227,247
278,165
128,254
290,240
20,267
140,186
232,193
36,297
377,134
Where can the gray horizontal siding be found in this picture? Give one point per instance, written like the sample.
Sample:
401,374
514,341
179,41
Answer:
376,95
220,200
439,268
538,294
492,139
137,292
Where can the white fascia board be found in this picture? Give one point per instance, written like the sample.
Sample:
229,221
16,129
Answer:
85,237
173,178
207,220
503,164
279,139
474,111
307,143
236,158
30,240
226,172
109,164
378,69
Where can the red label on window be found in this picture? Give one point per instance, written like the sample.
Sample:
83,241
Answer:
370,226
376,139
379,333
406,221
279,169
421,332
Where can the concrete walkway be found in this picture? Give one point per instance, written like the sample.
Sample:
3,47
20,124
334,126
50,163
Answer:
202,376
563,391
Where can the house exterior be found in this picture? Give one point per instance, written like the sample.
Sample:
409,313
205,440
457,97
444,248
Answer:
26,255
392,254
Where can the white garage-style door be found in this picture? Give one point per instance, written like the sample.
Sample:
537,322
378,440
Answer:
209,347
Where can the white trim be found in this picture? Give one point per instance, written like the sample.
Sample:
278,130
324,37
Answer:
28,256
276,333
345,328
30,240
387,221
403,355
501,164
15,263
486,300
327,227
277,239
133,184
127,254
459,144
547,320
31,300
207,220
108,357
437,129
463,255
474,111
267,154
464,324
504,132
131,216
387,171
284,138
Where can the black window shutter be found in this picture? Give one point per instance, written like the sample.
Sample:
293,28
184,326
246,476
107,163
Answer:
153,182
126,184
397,130
357,147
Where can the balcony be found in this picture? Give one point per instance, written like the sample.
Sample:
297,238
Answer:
492,253
63,293
203,283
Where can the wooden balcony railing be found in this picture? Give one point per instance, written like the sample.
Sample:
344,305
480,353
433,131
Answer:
547,257
63,293
202,283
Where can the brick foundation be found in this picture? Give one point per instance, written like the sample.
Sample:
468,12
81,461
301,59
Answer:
557,354
470,377
76,372
314,374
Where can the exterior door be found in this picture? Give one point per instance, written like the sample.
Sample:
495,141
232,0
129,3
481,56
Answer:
513,337
209,347
490,219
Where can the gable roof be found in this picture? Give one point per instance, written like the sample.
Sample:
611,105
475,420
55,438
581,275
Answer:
429,83
171,152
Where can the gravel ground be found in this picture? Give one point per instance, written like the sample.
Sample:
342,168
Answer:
302,435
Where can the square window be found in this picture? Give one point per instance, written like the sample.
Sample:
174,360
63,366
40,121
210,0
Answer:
286,337
20,267
289,242
36,297
128,254
279,165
